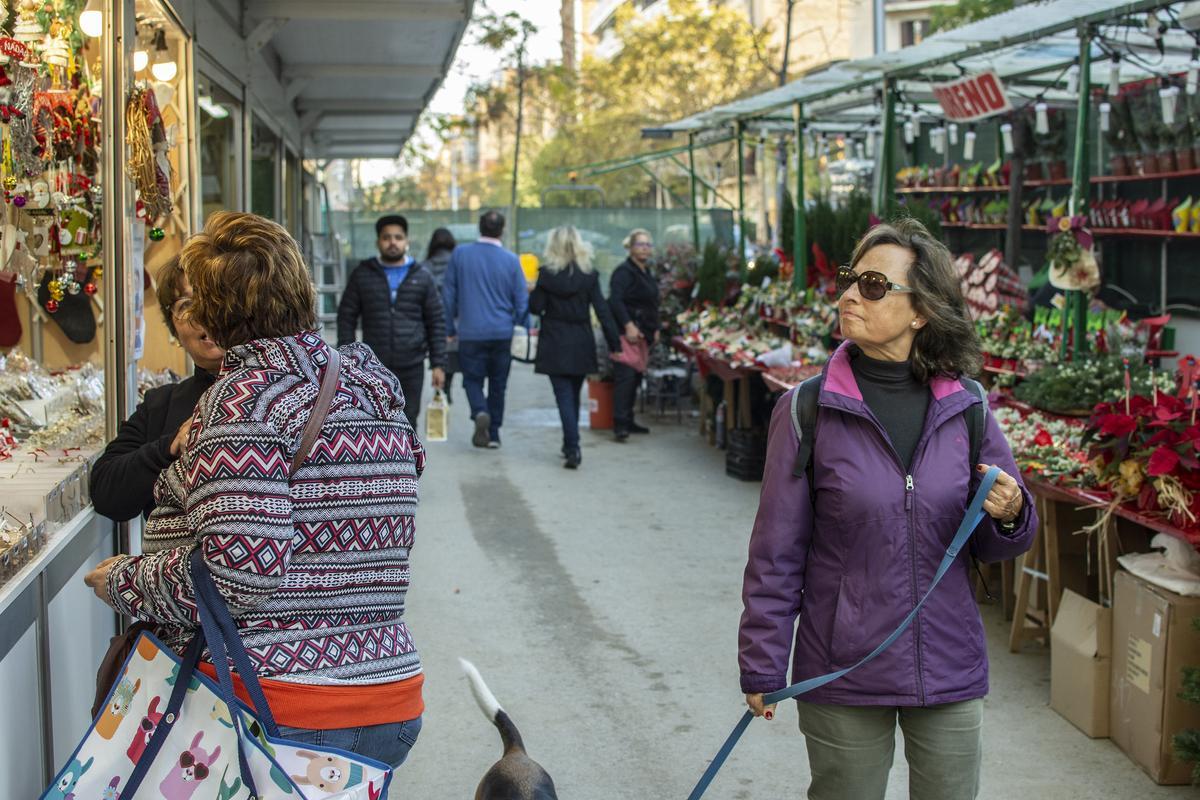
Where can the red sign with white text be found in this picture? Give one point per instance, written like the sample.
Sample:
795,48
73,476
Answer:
972,97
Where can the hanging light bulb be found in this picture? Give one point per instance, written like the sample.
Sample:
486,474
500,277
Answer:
1114,75
91,19
952,132
812,145
1193,76
1166,97
869,147
1073,79
1043,118
1105,117
910,131
141,60
860,150
969,145
937,138
1007,136
164,67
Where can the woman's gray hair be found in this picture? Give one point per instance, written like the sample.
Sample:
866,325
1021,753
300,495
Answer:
948,343
635,233
565,246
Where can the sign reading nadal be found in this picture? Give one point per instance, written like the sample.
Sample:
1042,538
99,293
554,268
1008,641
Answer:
972,97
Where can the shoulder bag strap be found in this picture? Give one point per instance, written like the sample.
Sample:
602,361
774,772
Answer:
321,410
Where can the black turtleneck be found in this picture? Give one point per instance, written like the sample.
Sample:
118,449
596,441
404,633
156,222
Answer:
896,399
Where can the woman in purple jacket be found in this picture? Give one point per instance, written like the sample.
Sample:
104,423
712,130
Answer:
892,481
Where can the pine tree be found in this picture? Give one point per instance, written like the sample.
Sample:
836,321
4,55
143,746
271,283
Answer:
711,275
1187,743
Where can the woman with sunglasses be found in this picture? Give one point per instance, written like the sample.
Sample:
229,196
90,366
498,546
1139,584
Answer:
122,482
850,556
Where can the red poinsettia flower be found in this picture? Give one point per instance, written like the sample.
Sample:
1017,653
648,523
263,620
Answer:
1116,425
1163,461
1165,436
1043,438
1148,497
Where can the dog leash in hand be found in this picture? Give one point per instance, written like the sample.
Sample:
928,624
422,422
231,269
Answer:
971,520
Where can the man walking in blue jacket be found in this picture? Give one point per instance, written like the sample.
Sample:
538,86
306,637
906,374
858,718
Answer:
485,295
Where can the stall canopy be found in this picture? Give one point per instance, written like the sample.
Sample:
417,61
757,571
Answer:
1031,48
350,67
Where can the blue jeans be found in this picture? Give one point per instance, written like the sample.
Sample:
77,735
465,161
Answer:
566,394
486,360
388,743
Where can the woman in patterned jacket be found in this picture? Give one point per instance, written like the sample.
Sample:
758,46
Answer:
314,567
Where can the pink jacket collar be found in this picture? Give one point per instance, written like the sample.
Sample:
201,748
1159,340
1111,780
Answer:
839,377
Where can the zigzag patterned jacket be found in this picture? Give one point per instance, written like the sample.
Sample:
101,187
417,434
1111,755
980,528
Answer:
314,569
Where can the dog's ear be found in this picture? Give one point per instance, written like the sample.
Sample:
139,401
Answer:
296,779
306,754
196,739
215,753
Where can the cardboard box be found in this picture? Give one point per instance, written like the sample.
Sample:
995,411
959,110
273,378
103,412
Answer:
1081,663
1153,640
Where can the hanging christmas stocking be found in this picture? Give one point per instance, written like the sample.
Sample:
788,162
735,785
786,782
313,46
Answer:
73,312
10,323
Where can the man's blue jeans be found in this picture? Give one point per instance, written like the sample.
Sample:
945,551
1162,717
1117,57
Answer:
388,743
488,360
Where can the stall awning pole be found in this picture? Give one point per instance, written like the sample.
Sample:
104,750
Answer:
692,182
740,128
1081,182
887,177
799,230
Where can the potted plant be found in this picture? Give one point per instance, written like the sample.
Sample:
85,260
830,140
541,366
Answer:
1145,112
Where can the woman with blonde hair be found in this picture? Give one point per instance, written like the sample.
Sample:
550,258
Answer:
566,286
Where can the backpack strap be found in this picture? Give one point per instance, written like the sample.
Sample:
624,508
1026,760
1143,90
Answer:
804,421
976,418
329,384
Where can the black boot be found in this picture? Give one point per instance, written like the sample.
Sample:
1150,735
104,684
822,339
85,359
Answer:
635,428
574,459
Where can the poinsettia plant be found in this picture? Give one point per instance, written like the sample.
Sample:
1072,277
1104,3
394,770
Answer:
1146,451
1044,446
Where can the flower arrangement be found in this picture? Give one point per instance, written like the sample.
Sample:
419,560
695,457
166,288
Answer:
1145,451
1069,254
1074,387
1045,447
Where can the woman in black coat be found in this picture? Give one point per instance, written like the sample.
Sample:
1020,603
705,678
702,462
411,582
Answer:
437,258
566,287
634,297
122,482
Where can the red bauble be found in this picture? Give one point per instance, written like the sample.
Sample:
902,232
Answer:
52,305
89,288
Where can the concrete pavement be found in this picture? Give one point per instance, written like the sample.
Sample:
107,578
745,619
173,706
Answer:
602,605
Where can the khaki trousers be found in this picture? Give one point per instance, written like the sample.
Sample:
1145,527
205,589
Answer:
850,750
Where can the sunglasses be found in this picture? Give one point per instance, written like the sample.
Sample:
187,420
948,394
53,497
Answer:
872,285
199,769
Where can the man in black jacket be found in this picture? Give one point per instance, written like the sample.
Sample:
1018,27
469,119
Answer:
401,311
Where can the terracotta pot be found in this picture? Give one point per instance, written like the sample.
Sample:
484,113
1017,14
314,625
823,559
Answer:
1058,170
1119,164
1166,161
1147,164
1185,158
1033,171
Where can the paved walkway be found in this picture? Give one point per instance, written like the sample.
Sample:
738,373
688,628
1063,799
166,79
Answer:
602,608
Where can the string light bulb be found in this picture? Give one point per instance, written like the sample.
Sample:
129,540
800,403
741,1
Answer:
1167,97
910,131
1073,79
1006,134
164,67
1105,117
91,19
869,145
952,133
141,60
1193,76
1043,118
1114,75
969,145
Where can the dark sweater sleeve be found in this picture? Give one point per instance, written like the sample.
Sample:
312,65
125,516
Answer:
435,324
122,482
618,285
607,325
348,311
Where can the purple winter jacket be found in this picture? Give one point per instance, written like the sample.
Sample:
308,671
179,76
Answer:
854,566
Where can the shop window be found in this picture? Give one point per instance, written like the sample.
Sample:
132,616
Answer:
264,170
219,115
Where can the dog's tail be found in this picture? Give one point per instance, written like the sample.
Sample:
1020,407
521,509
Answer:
509,735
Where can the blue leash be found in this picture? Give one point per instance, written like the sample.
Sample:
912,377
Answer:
971,520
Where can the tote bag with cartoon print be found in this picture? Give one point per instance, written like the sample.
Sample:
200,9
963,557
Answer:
168,731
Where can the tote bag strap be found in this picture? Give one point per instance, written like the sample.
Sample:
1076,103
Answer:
971,519
320,411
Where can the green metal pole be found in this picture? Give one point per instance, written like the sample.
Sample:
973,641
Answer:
886,201
799,229
740,128
692,176
1080,178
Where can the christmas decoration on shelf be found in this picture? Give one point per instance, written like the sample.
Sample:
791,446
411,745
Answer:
1070,257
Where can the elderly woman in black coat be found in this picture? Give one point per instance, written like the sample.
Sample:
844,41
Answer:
566,287
634,297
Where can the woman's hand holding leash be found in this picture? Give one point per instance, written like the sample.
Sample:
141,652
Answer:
755,701
1004,501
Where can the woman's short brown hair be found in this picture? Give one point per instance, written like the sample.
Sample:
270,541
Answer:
168,288
947,344
248,279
